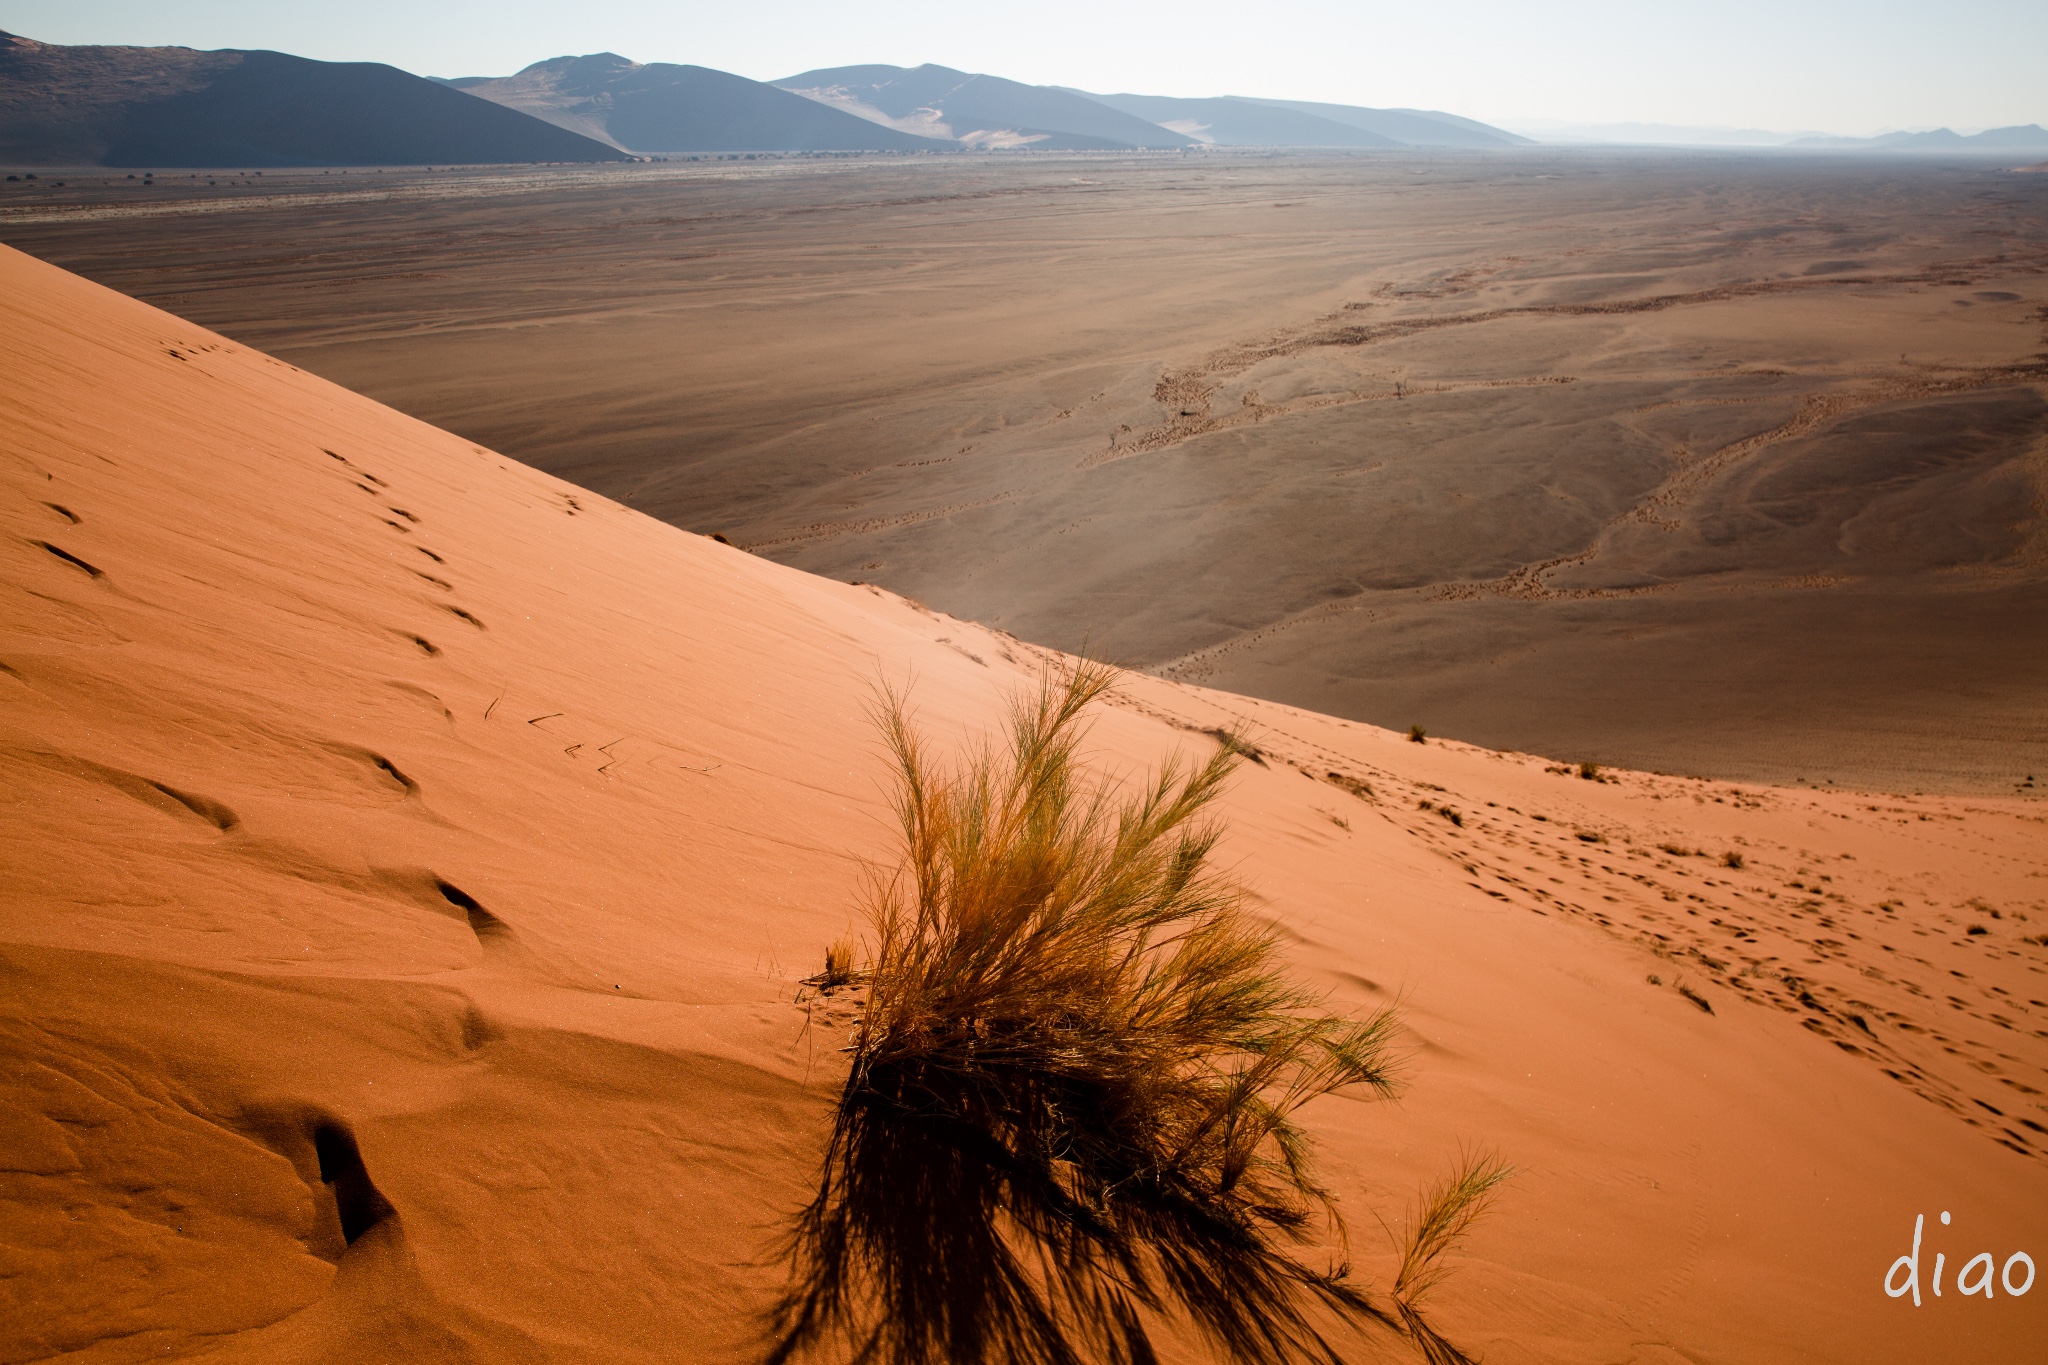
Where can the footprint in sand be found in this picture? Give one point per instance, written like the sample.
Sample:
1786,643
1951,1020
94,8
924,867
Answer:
162,796
487,927
72,559
322,1148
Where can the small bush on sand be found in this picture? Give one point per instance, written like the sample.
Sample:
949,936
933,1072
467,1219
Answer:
1417,735
1071,1107
838,965
1357,786
1732,859
1589,770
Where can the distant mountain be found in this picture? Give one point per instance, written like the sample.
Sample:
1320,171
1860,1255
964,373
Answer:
1240,121
2018,135
1941,139
660,108
1565,133
1228,121
1413,127
173,106
980,111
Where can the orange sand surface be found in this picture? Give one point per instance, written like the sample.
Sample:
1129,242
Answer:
410,859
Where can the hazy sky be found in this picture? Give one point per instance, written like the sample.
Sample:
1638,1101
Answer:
1842,66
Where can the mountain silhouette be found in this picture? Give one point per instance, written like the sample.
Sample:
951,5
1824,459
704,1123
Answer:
980,111
1228,121
174,106
1941,139
660,107
1412,127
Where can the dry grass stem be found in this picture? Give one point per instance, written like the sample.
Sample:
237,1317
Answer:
1446,1213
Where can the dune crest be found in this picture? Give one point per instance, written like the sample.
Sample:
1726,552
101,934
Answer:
411,859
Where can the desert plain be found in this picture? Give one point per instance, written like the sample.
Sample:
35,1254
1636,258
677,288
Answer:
1706,463
416,838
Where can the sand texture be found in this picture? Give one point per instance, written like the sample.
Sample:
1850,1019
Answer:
410,860
1723,465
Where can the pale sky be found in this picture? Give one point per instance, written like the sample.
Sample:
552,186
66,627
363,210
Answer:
1838,66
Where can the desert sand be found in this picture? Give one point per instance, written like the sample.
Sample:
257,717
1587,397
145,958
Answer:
1713,464
411,859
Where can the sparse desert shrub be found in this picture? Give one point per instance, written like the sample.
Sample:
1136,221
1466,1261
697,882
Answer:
1590,771
1694,996
1732,859
1234,742
838,965
1070,1108
1357,786
1417,735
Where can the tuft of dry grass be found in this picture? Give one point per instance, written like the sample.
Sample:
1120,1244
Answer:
1071,1109
838,964
1732,859
1234,741
1357,786
1417,735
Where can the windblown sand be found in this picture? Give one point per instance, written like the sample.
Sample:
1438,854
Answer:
1716,464
410,859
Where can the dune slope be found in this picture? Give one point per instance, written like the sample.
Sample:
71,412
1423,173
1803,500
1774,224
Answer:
409,861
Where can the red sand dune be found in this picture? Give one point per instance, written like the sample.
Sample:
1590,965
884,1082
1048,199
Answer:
409,859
